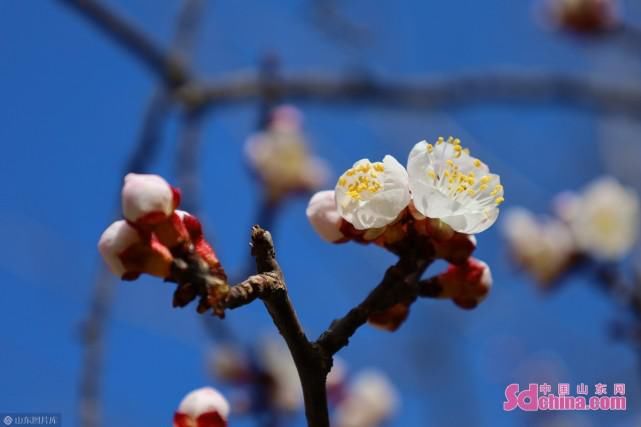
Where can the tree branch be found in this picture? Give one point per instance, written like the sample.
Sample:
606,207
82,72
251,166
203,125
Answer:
93,328
399,284
143,154
312,367
428,93
167,66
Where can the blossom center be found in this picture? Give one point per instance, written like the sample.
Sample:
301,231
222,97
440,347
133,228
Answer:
455,175
362,180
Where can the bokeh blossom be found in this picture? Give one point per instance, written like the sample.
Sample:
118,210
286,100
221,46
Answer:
286,394
281,158
604,219
544,248
447,183
369,401
371,195
204,407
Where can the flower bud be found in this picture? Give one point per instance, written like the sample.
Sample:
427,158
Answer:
585,16
148,199
128,254
204,407
391,319
467,284
172,232
457,249
323,216
201,246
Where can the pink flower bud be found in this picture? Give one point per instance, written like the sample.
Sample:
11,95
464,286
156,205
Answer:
457,249
286,118
391,319
585,16
204,407
467,284
128,254
323,216
148,199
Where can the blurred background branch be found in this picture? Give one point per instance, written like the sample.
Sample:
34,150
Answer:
142,156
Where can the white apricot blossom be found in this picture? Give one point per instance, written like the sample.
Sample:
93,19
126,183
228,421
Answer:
203,407
447,183
370,401
323,216
542,247
147,198
372,195
604,219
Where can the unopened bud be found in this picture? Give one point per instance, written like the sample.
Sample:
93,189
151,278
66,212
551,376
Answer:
128,254
204,407
323,216
148,199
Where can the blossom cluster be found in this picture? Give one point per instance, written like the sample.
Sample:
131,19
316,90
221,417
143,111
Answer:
154,233
444,196
600,223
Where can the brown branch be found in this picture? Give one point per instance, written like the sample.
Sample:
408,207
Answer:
312,367
429,93
167,66
399,284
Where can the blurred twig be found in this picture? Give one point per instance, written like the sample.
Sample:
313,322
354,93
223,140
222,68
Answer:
187,160
161,62
516,87
328,17
93,328
142,156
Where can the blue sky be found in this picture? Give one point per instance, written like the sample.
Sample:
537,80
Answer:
71,110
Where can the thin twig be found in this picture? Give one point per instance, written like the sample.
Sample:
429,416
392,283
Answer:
398,285
143,154
167,66
93,330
